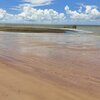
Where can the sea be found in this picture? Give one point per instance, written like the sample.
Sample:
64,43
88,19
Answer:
92,28
85,36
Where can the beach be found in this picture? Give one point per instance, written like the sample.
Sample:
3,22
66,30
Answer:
49,66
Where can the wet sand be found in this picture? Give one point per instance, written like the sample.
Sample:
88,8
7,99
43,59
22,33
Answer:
33,68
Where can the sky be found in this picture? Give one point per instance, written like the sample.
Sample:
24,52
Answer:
50,11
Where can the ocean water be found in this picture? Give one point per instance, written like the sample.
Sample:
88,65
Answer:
93,32
93,28
88,37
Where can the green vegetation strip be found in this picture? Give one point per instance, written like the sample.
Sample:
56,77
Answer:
51,29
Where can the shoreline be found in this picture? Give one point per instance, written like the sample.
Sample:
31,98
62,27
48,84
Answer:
34,69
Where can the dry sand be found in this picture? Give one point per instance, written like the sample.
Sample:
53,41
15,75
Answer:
36,70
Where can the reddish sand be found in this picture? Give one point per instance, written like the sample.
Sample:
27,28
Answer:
36,70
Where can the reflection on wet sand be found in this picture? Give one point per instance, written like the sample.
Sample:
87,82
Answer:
49,66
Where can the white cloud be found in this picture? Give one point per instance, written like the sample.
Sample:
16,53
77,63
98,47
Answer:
90,13
2,13
38,2
30,14
32,3
46,15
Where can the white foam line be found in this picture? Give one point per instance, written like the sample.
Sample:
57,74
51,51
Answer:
77,30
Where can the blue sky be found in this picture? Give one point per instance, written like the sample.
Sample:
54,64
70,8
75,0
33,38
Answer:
50,11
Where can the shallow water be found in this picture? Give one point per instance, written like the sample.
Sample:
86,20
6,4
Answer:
68,38
92,28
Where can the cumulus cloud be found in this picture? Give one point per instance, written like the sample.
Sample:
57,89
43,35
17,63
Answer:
2,14
90,13
33,15
28,13
38,15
